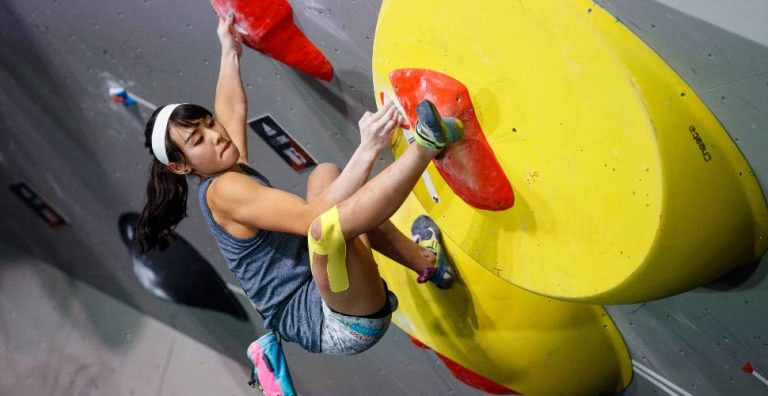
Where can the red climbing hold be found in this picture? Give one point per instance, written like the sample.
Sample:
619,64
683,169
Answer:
747,368
475,380
267,26
469,167
466,375
404,124
418,343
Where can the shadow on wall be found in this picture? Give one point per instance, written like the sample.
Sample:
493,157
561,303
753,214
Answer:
742,278
50,140
178,273
46,91
348,102
70,251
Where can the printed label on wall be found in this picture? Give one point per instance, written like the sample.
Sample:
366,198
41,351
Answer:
284,144
38,205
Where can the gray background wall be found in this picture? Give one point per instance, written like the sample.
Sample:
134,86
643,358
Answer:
60,133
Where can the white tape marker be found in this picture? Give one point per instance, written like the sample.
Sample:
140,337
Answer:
641,367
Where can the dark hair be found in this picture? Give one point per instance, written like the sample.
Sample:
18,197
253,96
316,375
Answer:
166,191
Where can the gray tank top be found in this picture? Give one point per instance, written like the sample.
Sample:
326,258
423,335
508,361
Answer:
273,269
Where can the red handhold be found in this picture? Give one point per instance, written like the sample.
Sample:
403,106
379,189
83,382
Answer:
747,368
269,28
469,167
403,125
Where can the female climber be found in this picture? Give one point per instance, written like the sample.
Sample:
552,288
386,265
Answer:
306,264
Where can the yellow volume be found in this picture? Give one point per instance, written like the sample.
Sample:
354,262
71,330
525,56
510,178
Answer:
529,343
627,187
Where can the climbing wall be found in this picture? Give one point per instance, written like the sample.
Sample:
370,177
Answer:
83,154
700,340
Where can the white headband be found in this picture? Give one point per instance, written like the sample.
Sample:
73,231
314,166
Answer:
159,130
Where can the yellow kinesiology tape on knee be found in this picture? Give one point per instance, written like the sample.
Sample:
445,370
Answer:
333,245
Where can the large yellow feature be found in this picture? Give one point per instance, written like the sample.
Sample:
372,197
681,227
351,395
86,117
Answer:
531,344
626,187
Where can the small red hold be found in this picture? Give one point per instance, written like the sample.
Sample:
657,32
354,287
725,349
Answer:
417,342
466,375
268,26
475,380
747,368
469,167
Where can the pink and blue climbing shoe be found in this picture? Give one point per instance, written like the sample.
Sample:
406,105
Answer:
425,233
270,371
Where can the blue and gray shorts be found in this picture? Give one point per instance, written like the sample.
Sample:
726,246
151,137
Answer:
349,335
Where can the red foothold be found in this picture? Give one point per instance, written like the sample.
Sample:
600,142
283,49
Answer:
466,375
474,379
417,342
470,167
747,368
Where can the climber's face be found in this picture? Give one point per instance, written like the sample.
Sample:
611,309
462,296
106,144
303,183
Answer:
207,147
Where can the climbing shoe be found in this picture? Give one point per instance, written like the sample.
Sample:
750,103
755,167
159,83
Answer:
425,233
434,131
